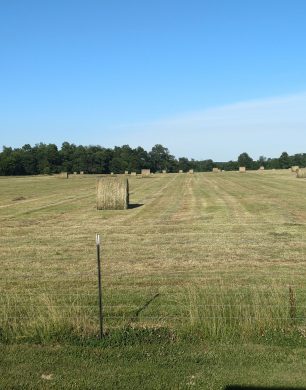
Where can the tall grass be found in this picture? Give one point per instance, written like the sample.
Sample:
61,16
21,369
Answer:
242,313
217,314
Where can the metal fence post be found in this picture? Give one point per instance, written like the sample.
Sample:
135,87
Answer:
99,285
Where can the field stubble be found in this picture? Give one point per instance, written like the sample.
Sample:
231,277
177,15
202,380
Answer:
219,250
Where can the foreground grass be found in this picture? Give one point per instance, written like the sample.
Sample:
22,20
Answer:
151,366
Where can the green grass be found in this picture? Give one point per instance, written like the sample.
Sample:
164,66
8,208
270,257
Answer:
221,250
151,366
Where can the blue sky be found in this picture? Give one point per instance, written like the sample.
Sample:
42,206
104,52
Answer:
208,79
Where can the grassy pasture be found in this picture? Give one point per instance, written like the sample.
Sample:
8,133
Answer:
221,250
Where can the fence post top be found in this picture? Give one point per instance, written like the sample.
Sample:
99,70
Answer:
97,238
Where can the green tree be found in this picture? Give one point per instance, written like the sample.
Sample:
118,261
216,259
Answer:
284,161
160,158
184,164
244,160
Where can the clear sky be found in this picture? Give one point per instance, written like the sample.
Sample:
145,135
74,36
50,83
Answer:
207,79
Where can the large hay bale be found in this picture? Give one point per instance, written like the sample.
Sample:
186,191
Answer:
180,171
164,171
112,193
216,170
295,168
145,172
133,173
63,175
242,169
190,171
262,168
82,173
126,172
301,174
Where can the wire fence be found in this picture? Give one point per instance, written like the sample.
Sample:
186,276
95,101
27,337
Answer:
49,300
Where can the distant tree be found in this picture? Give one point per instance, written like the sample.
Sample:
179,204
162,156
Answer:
46,158
184,164
284,161
142,160
262,160
244,160
160,158
7,161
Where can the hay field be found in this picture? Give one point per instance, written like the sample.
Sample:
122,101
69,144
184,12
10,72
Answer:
220,250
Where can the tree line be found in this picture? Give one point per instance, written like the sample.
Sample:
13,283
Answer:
48,159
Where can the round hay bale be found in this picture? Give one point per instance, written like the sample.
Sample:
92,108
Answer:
112,193
145,172
301,174
242,169
295,168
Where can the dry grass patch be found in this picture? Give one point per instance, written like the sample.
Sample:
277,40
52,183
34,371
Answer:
219,250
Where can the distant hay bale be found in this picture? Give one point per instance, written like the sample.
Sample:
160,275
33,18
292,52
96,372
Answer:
295,168
261,169
112,173
216,170
164,171
190,171
301,173
63,175
112,193
82,173
145,172
133,173
242,169
180,171
126,172
75,173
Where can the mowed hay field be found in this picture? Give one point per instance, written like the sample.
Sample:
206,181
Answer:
211,255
